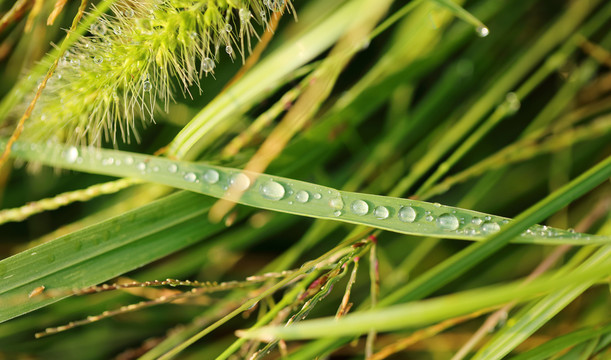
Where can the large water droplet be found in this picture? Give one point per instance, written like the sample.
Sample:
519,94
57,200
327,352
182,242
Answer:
447,222
336,203
272,190
482,31
359,207
244,15
239,182
381,212
172,168
302,196
490,227
190,177
146,86
211,176
71,154
407,214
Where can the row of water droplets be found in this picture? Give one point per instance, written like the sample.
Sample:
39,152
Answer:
444,218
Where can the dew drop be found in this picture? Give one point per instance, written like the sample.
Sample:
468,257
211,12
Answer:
229,50
407,214
272,190
240,182
208,65
381,212
447,222
117,30
302,196
190,177
75,63
141,166
337,213
512,102
482,31
490,227
172,168
129,160
487,217
317,196
98,59
429,218
211,176
437,205
244,15
71,154
228,27
275,5
336,203
359,207
129,13
146,86
476,221
98,29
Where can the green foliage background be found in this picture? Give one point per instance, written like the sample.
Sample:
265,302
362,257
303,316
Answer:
398,99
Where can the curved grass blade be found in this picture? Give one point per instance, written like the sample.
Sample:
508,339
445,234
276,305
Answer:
103,251
297,197
424,312
558,344
460,12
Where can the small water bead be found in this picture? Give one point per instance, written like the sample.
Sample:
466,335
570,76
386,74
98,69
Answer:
337,213
272,190
490,227
381,212
228,27
117,30
211,176
173,168
513,102
229,50
129,160
447,222
155,168
482,31
244,15
359,207
407,214
190,177
437,205
108,161
476,221
317,196
98,29
128,13
208,65
487,217
239,182
141,166
71,154
302,196
146,86
75,62
429,218
98,59
275,5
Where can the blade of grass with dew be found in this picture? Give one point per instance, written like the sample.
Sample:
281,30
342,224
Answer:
296,197
103,251
424,312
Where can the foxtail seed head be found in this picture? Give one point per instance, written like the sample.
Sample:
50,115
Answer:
124,67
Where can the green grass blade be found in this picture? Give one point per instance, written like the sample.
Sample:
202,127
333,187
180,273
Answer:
558,344
424,312
298,197
103,251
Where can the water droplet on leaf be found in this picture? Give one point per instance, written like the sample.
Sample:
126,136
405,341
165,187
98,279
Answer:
407,214
272,190
359,207
447,222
